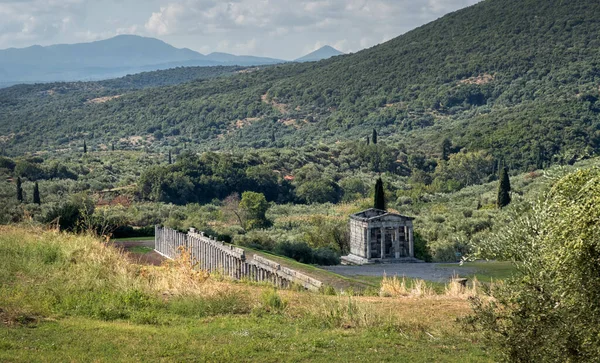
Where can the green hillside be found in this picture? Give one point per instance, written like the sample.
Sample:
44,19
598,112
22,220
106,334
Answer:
516,78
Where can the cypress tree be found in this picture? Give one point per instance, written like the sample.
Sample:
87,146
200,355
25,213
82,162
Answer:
19,190
368,141
36,194
374,137
273,136
379,200
84,147
446,145
112,147
503,189
170,160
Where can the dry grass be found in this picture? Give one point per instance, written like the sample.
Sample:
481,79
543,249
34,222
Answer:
395,287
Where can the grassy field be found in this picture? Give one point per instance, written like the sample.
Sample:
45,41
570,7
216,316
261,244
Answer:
73,298
484,271
150,238
140,249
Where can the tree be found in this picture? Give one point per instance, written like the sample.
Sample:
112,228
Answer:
368,141
231,206
112,146
503,189
36,194
273,136
379,199
170,159
446,146
320,190
84,147
19,190
254,206
549,311
374,137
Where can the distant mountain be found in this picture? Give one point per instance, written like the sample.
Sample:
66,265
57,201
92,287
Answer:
110,58
517,79
241,60
320,54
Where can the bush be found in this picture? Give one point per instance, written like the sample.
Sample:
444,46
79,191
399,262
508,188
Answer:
129,232
255,239
299,251
302,252
325,256
550,311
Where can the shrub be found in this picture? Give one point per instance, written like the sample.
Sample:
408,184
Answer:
255,239
299,251
325,257
272,302
550,312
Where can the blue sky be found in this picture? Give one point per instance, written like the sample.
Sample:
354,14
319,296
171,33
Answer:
283,29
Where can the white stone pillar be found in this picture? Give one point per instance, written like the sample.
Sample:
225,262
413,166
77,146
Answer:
368,242
397,242
411,244
382,242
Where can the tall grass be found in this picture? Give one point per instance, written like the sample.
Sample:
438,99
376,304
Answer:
51,274
395,287
399,287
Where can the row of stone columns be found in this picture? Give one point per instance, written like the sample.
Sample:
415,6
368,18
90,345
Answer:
408,237
213,256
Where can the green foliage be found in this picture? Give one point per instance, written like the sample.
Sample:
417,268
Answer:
272,302
254,206
319,191
379,197
519,89
302,252
550,311
19,190
36,194
503,189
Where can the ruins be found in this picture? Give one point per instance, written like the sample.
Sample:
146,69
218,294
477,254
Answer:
378,236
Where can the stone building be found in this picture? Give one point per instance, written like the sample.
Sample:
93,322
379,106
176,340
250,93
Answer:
379,236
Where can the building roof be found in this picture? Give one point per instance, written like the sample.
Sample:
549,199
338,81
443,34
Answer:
374,214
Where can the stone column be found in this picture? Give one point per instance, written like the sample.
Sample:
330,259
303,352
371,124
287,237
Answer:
368,242
397,242
411,244
382,242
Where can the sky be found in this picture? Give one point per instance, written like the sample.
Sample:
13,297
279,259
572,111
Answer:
284,29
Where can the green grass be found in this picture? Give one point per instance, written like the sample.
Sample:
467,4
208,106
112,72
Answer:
149,238
140,249
72,298
484,271
226,339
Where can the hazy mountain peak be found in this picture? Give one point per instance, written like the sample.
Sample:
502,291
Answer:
319,54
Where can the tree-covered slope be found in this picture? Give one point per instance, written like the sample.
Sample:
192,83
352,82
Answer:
518,78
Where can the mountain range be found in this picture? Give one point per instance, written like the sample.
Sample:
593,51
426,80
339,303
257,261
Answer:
517,79
114,57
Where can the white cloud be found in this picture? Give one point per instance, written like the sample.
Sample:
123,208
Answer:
278,28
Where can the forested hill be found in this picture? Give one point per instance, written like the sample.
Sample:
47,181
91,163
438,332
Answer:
516,77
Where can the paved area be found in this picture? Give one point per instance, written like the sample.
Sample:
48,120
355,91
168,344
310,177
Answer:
425,271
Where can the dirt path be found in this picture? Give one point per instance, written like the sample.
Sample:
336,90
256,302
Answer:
425,271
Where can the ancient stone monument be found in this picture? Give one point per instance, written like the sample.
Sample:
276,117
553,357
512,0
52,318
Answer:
377,236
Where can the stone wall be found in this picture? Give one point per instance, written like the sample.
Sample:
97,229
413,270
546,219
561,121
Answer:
358,242
213,256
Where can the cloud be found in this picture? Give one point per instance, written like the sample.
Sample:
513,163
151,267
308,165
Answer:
351,24
278,28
